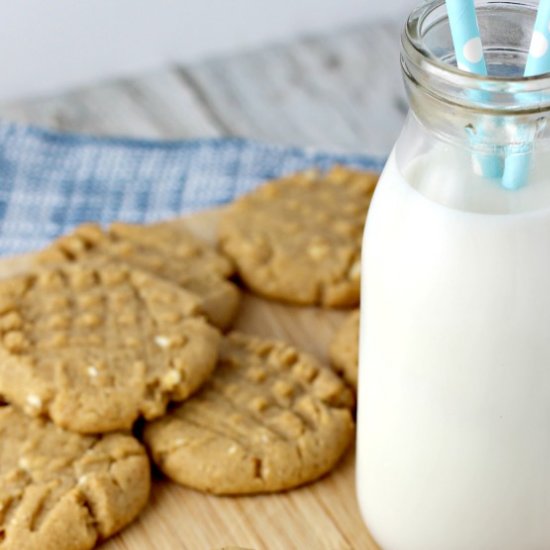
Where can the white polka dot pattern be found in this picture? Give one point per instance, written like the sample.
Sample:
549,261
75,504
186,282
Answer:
473,50
539,45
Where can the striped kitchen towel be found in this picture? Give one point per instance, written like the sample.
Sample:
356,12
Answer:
51,182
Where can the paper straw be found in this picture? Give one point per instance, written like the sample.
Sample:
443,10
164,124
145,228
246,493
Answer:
470,58
466,37
516,171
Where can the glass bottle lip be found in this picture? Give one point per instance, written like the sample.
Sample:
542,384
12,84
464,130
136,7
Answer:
440,78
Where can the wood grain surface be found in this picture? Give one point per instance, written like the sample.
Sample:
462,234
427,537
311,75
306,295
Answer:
335,91
322,515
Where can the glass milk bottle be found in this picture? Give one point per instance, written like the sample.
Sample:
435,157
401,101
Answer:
454,382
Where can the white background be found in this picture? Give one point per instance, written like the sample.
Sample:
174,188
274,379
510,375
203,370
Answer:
49,45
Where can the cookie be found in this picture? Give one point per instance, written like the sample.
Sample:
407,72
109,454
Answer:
164,249
60,490
344,349
270,418
94,345
298,239
176,242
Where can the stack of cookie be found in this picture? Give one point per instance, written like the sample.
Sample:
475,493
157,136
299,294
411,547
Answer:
109,327
126,323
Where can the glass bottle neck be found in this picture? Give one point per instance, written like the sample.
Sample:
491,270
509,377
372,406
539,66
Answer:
498,115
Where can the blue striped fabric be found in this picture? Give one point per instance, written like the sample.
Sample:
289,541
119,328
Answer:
50,182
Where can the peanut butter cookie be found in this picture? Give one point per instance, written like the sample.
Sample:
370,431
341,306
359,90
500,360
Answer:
269,419
93,345
61,490
298,239
344,349
166,250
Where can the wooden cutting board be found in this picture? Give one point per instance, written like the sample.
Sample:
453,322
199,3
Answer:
322,515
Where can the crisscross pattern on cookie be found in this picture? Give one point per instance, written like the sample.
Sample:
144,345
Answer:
270,418
165,250
95,344
64,490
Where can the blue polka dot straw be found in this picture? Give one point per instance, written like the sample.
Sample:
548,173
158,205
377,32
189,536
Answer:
470,58
516,170
466,38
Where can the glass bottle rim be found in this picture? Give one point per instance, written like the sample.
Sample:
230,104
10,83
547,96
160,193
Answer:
418,60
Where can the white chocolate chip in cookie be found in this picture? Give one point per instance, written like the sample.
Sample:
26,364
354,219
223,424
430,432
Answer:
33,404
